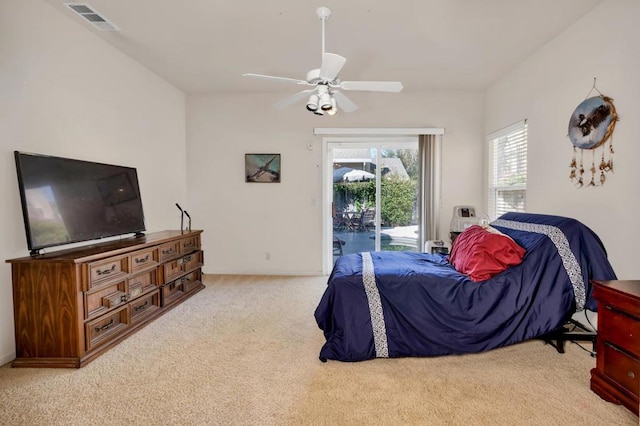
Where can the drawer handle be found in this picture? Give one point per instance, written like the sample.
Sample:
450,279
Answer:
187,259
106,271
141,307
188,245
631,375
106,326
168,251
143,260
184,280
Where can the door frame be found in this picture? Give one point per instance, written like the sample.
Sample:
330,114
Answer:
328,145
327,174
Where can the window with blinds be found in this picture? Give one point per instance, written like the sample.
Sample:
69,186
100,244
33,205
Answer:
508,170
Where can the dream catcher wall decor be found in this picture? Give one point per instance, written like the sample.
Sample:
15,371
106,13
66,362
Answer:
591,126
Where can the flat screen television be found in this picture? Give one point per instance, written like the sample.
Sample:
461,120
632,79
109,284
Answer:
67,201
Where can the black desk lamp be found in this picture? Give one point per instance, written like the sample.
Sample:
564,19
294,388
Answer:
189,225
181,218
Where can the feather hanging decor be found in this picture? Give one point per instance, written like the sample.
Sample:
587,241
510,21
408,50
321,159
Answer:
591,125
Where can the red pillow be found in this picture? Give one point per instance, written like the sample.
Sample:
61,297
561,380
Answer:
482,254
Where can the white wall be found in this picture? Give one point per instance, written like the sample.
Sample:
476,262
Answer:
546,88
243,221
65,92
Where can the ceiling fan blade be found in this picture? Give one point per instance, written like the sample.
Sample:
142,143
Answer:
343,102
375,86
271,77
331,66
294,98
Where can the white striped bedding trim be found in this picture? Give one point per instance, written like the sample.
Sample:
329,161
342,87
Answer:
569,260
375,307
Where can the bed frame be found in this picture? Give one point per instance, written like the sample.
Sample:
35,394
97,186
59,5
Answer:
572,330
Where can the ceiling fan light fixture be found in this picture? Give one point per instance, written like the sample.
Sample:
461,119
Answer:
325,101
312,104
334,107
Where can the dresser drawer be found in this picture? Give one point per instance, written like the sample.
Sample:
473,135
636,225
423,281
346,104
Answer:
104,299
193,261
621,330
144,306
105,328
142,283
176,268
191,281
168,251
171,292
104,272
190,244
622,368
173,270
144,259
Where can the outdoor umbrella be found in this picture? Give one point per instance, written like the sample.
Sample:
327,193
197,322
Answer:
338,174
349,174
357,175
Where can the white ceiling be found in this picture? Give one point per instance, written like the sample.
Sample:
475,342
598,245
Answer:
206,45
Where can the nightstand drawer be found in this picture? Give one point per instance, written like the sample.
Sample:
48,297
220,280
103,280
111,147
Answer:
621,330
622,368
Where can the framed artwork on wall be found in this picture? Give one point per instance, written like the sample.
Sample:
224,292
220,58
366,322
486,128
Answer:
264,168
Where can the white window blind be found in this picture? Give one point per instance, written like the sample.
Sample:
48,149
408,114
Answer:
507,170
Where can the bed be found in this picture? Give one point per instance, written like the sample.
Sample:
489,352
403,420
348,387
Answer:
406,304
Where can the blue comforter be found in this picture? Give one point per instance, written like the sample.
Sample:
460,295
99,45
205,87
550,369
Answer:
399,304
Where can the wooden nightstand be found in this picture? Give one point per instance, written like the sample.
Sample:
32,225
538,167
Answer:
616,377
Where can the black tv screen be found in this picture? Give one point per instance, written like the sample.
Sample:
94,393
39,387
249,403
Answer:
67,201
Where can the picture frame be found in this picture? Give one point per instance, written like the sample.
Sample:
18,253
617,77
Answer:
262,168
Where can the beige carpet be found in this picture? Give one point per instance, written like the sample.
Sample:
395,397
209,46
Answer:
244,351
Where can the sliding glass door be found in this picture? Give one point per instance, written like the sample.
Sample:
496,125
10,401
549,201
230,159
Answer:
373,190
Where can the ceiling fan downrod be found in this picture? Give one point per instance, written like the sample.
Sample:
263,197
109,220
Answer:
323,13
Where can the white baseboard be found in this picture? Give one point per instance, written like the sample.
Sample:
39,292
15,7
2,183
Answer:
266,274
5,359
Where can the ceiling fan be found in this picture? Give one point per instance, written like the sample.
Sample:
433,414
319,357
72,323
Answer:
324,96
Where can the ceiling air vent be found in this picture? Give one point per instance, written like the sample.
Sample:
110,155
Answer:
87,12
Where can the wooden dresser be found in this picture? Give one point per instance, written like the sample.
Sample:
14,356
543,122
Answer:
616,377
72,305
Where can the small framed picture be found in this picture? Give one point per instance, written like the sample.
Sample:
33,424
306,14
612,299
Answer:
263,168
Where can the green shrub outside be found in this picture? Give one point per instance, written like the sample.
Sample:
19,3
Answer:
398,198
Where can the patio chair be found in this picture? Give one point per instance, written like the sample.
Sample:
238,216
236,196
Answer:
367,220
341,221
337,246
